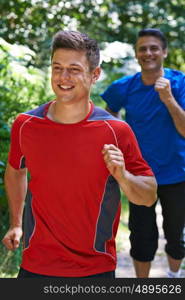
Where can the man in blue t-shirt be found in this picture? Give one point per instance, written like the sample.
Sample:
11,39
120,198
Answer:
154,103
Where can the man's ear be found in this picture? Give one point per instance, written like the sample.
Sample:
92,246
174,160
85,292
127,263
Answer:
96,74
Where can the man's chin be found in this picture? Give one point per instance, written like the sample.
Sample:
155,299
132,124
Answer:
150,68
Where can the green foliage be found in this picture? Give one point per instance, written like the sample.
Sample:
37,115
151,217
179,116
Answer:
21,85
4,141
34,22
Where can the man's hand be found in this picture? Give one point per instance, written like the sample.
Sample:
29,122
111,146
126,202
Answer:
163,87
12,238
140,190
114,161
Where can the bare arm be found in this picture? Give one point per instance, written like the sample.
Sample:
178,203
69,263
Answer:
16,188
140,190
162,86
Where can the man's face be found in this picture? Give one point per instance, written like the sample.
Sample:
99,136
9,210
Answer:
149,53
71,78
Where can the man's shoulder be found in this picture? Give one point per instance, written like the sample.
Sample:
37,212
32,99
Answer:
100,114
127,79
38,111
25,116
174,74
20,119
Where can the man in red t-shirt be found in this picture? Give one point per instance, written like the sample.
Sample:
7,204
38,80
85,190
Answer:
77,156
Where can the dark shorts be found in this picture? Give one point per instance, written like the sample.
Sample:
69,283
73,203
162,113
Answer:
26,274
143,227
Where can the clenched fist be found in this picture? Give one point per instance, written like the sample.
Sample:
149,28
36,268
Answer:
12,238
163,87
114,161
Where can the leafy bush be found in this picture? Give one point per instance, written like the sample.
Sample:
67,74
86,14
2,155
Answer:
22,86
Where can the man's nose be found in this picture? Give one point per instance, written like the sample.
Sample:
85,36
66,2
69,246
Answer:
64,73
148,51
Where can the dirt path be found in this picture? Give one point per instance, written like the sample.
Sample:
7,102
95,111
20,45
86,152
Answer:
159,265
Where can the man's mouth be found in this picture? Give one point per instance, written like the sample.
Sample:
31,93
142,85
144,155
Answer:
66,87
148,60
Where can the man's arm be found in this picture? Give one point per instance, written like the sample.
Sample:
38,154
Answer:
16,188
140,190
162,86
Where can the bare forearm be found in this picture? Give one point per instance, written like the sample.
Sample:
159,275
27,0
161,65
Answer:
16,188
163,87
178,115
16,204
140,190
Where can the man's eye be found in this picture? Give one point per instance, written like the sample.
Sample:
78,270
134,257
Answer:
75,70
142,49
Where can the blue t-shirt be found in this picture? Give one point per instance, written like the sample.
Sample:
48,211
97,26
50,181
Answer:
161,144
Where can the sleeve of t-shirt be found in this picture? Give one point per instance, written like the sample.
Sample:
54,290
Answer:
115,94
15,156
134,162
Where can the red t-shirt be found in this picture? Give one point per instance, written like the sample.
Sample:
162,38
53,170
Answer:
73,204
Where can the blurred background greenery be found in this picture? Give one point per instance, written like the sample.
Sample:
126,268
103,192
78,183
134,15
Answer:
26,30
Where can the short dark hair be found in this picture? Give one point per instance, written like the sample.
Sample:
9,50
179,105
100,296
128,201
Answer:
79,42
156,33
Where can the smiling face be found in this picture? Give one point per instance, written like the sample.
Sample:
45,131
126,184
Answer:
150,53
71,78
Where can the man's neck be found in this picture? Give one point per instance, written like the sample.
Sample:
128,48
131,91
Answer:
67,113
150,77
